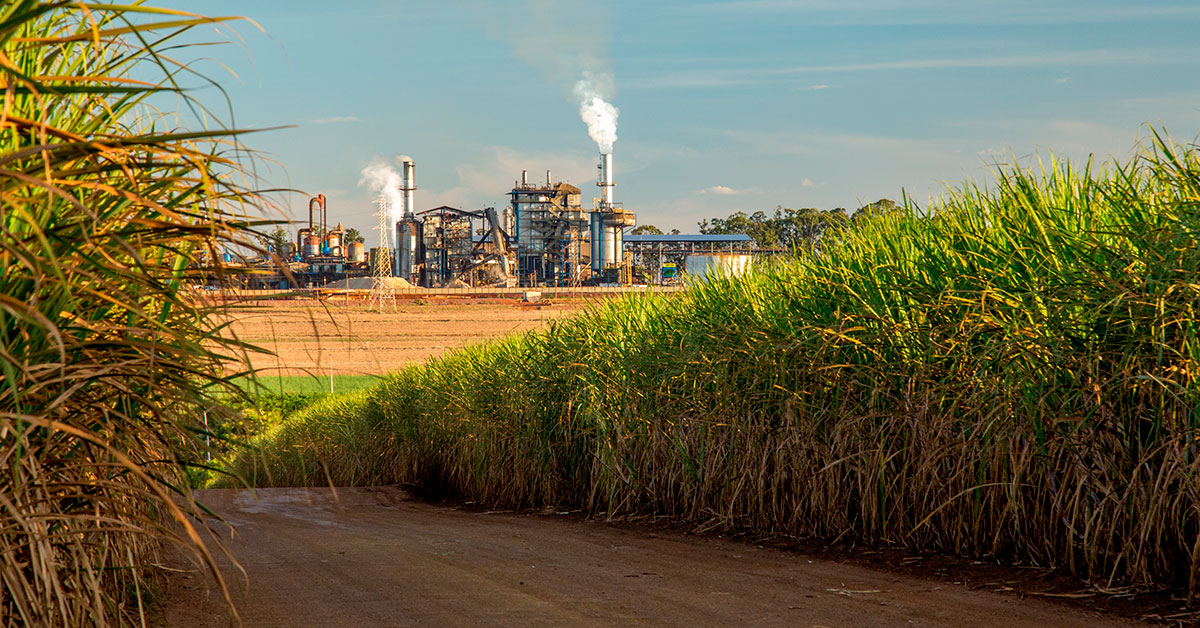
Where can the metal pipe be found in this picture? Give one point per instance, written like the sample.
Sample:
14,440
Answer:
524,178
317,201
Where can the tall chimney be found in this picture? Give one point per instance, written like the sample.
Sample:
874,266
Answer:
606,178
524,178
410,184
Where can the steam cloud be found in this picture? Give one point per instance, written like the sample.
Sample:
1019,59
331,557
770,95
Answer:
598,114
578,57
382,179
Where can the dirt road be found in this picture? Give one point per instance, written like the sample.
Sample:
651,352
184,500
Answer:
373,557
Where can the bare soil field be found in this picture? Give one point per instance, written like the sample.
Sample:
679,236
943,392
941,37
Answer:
377,557
307,337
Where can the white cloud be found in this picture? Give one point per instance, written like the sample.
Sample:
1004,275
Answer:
723,190
818,87
336,120
807,183
1065,79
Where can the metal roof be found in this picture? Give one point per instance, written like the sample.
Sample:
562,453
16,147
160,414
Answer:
690,237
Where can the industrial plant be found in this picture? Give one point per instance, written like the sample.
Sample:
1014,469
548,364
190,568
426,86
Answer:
544,237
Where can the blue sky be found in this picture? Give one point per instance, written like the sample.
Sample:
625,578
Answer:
724,106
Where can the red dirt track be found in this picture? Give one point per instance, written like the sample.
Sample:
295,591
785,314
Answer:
375,557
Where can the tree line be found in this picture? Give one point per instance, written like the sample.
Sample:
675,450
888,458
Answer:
788,229
793,229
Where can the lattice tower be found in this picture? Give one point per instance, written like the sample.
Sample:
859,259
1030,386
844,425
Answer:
383,293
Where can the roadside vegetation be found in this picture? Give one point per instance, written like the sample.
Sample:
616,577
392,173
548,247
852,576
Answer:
110,208
1010,375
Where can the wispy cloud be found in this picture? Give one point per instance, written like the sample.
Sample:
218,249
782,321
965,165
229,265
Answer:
807,183
725,77
725,190
1062,81
1095,57
336,120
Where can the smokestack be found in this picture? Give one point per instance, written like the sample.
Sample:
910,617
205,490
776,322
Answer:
524,178
549,183
410,184
606,179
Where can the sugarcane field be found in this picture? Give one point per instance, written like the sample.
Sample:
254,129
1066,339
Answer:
553,313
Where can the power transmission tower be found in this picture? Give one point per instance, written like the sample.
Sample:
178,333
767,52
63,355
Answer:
383,293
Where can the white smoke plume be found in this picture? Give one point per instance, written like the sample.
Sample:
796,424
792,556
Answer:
573,53
598,114
382,179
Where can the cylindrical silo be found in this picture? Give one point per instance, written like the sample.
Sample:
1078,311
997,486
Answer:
312,246
597,226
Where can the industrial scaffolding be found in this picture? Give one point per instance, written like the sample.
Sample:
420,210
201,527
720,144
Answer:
552,229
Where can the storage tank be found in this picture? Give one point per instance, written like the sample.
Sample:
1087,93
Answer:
356,252
312,246
597,227
608,236
334,242
725,264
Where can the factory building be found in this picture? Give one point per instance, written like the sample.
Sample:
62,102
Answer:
552,230
320,253
546,236
559,244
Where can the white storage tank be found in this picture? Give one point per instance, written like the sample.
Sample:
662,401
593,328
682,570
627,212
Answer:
699,265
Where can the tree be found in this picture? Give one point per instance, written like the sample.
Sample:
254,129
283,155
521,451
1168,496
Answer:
758,226
276,241
878,208
801,229
352,235
645,230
